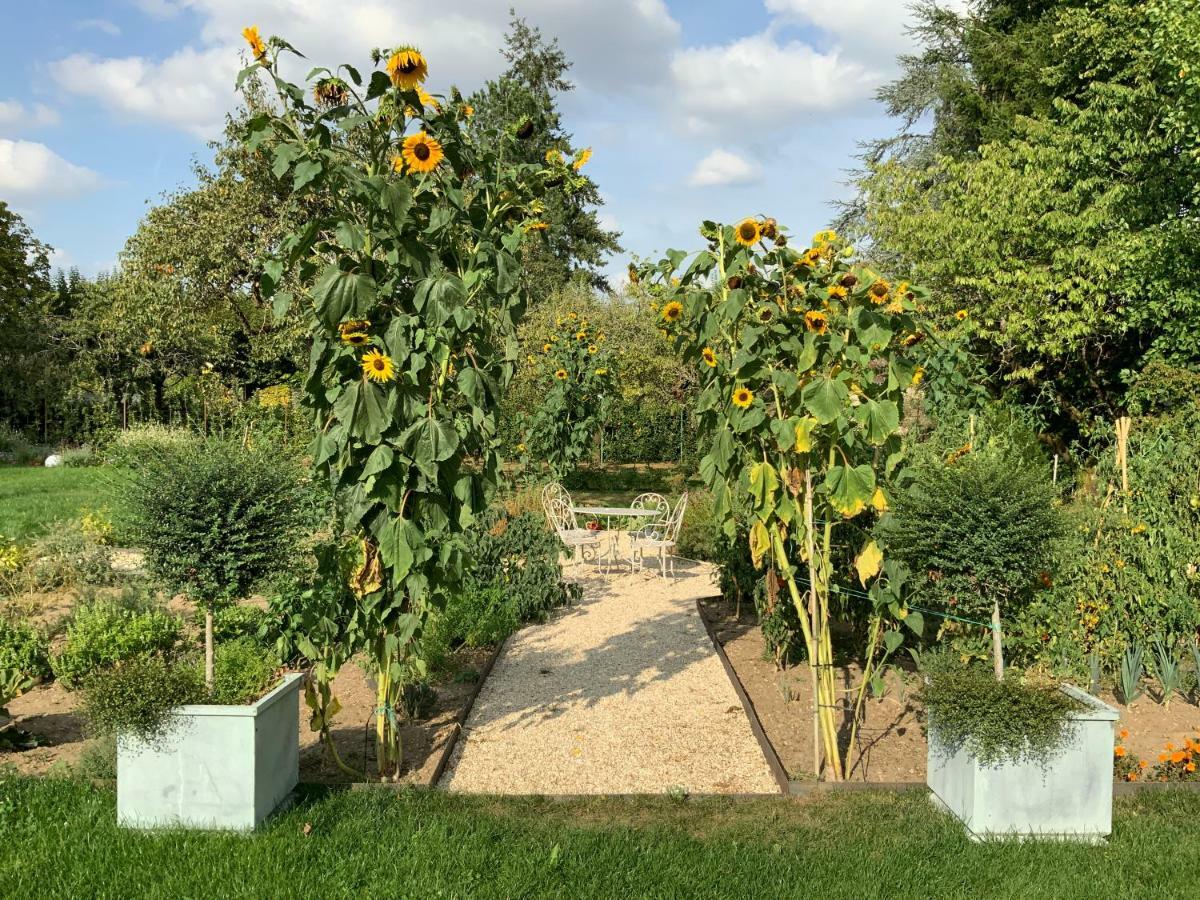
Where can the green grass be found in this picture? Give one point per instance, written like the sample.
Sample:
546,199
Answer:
31,499
60,840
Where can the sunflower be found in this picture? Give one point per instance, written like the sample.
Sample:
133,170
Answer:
355,338
428,101
742,397
672,311
765,314
816,321
554,156
561,374
709,357
748,232
602,371
592,348
572,316
879,291
422,153
378,366
354,325
824,238
257,47
407,68
960,315
546,348
539,225
468,110
918,375
836,290
913,339
330,92
581,158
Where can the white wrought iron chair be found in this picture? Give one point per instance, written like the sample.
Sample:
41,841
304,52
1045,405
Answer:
582,543
660,537
554,491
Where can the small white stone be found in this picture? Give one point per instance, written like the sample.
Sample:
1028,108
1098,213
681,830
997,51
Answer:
53,460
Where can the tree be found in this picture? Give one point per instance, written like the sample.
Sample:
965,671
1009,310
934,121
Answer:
28,374
1054,197
575,244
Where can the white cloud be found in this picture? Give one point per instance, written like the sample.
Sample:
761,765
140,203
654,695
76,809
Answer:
757,81
109,28
31,171
864,27
15,115
724,167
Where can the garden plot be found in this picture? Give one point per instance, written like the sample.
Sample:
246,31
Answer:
622,693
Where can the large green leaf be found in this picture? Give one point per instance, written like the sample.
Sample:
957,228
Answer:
850,488
880,419
764,484
339,295
825,398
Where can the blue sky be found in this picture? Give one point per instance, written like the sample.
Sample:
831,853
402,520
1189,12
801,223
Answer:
695,109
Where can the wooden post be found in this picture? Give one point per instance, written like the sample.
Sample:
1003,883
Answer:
1123,424
997,642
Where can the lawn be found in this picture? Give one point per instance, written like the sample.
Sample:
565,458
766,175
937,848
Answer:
61,840
31,498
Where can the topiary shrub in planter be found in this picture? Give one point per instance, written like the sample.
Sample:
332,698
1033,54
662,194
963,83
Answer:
1019,759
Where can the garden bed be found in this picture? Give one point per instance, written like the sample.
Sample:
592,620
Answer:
891,732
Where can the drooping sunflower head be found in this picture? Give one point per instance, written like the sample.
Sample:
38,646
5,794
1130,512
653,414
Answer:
581,158
378,367
257,47
407,68
330,92
816,321
554,156
748,232
673,311
911,340
709,357
468,110
352,326
561,374
538,225
765,314
824,238
960,315
420,153
355,338
770,229
836,291
742,397
879,291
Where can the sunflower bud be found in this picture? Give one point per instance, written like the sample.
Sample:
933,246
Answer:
781,240
770,229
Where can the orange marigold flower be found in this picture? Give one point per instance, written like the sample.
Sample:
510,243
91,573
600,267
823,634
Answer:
1178,756
1118,751
1124,733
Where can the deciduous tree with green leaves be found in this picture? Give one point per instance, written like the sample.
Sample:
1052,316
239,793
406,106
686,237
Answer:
410,285
805,358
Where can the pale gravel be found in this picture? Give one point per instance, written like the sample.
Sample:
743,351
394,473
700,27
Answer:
621,693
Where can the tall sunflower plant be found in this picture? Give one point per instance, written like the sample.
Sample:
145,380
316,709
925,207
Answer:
575,372
805,357
412,290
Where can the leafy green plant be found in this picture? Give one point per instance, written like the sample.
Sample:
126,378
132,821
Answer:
1168,672
137,695
243,670
67,556
1194,649
13,683
995,721
412,290
981,525
213,519
24,649
242,621
1131,673
130,447
519,555
576,382
104,633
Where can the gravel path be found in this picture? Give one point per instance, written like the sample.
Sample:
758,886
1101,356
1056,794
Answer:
621,693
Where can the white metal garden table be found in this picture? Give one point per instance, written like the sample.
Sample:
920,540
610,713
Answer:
608,513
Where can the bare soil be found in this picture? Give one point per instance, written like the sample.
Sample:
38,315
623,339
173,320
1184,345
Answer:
892,743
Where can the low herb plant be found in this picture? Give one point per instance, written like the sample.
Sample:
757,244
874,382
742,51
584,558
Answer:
104,633
136,697
68,556
244,671
23,649
996,721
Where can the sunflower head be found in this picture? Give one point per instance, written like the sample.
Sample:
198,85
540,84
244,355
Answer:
742,397
257,47
554,156
879,291
960,315
824,238
918,375
838,292
330,92
421,153
525,130
673,311
355,338
539,225
764,314
748,232
816,321
378,366
709,357
592,348
468,110
561,374
602,371
354,325
407,68
770,229
580,335
581,158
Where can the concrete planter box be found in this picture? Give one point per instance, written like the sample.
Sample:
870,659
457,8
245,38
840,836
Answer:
219,767
1068,796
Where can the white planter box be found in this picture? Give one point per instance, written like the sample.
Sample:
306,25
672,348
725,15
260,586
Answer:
218,767
1068,796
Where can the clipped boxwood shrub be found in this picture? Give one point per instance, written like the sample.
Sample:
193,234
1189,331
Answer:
23,649
103,633
137,695
996,721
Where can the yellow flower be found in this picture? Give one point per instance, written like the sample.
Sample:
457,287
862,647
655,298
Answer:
601,338
581,158
468,110
742,397
824,238
354,325
355,338
529,358
561,374
428,100
378,366
407,68
672,311
816,321
580,335
535,226
960,315
602,371
836,290
879,291
572,316
257,47
554,156
421,153
918,375
895,307
546,348
748,232
709,357
592,348
521,447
